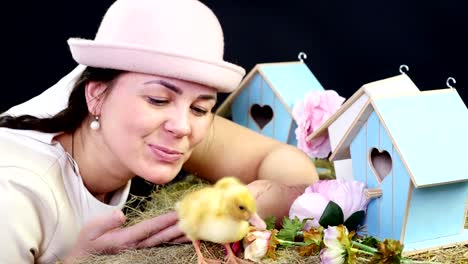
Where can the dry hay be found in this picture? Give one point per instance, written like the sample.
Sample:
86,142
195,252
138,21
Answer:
457,255
163,199
185,254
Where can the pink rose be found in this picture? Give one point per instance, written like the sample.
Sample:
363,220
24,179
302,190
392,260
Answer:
347,196
310,114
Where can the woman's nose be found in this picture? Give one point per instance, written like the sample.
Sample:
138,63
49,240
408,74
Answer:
178,123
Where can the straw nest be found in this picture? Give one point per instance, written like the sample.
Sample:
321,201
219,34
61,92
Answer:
162,200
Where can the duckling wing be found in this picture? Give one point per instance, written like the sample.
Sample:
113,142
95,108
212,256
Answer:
194,208
222,229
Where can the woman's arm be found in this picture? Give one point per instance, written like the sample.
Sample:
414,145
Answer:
29,217
231,149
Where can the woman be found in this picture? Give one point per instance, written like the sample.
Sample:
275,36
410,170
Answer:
143,106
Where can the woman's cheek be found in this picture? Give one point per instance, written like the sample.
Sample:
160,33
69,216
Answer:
201,130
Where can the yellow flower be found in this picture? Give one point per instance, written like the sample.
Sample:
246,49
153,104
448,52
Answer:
389,252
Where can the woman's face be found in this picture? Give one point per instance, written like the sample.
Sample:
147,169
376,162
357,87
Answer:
151,124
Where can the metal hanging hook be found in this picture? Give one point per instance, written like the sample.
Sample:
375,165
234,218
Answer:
404,66
448,82
302,56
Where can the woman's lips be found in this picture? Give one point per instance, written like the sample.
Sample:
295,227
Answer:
165,154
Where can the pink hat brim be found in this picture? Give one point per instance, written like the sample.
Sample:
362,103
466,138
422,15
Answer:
221,75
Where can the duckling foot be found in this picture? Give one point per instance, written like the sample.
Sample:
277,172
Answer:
232,259
201,259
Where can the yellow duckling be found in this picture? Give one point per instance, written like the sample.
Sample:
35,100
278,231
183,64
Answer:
219,214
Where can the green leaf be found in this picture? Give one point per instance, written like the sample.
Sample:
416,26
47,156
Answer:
270,222
332,215
355,220
290,229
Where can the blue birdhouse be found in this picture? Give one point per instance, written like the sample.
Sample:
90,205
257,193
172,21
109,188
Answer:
409,150
338,124
265,99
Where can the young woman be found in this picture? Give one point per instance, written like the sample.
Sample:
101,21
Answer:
141,107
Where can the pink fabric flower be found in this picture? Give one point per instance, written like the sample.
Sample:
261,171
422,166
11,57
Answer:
236,247
256,245
348,194
310,114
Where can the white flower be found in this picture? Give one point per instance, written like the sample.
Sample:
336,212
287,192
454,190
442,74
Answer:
256,245
337,246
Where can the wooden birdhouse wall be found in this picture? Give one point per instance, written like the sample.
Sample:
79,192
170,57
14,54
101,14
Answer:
259,108
240,106
442,206
292,134
369,150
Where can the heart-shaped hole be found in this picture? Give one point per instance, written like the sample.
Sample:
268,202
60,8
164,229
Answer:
262,115
381,162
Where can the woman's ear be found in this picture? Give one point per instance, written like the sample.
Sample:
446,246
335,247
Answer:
94,92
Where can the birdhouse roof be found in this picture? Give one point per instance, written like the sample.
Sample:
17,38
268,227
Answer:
399,84
429,131
290,82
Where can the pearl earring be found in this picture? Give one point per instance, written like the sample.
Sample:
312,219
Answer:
95,125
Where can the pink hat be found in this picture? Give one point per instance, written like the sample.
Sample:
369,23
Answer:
174,38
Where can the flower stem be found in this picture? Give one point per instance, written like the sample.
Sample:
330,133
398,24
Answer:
364,247
362,251
291,243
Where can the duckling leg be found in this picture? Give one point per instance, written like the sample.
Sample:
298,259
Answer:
201,259
232,258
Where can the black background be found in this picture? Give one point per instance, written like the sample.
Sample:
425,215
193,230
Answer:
348,43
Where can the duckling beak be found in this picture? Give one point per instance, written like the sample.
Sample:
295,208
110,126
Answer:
257,221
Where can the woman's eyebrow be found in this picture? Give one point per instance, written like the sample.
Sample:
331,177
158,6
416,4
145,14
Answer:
177,90
207,97
168,85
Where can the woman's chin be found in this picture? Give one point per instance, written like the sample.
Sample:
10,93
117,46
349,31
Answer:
161,175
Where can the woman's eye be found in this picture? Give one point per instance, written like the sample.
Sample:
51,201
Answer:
157,102
199,111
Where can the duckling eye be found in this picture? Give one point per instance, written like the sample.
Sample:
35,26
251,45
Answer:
241,207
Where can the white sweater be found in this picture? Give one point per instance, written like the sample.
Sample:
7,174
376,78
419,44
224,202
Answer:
43,201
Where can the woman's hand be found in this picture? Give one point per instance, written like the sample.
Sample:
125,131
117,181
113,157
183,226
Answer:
274,198
105,235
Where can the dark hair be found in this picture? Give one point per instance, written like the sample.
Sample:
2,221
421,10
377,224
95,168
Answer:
69,119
